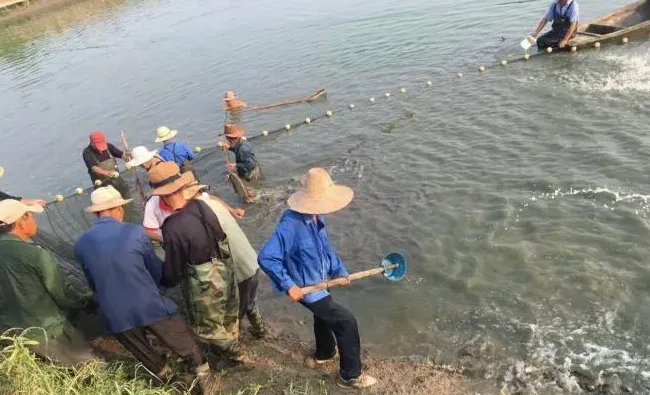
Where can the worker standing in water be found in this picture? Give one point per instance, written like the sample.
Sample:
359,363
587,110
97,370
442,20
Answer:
100,158
176,151
565,15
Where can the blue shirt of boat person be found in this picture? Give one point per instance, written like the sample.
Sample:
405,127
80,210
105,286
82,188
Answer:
299,253
124,272
565,15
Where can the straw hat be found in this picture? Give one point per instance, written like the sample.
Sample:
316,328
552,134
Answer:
319,194
12,210
164,134
140,156
166,178
106,198
229,95
2,171
233,130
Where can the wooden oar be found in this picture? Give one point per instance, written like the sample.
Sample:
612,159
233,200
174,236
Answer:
393,267
314,96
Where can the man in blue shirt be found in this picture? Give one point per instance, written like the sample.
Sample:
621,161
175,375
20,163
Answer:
124,272
299,254
179,152
565,15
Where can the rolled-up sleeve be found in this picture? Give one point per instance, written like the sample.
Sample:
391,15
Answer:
272,260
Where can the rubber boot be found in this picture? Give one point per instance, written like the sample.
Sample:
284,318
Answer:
258,328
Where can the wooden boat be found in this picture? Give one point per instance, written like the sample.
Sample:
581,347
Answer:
307,99
627,22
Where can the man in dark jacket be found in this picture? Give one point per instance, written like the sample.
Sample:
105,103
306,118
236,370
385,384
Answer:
124,273
245,163
100,159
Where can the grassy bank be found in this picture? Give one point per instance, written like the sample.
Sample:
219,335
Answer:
273,366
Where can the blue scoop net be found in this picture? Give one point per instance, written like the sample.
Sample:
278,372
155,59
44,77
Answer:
396,273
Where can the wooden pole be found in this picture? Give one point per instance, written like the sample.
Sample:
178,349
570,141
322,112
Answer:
338,282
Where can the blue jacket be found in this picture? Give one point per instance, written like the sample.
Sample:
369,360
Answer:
178,152
123,271
299,253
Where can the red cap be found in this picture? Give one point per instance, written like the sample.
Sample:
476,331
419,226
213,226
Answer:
98,140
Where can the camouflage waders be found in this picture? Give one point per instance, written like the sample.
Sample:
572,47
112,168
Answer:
212,301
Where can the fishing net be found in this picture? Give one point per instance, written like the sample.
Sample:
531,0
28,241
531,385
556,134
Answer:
65,219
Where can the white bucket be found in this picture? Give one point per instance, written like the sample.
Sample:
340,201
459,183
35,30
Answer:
528,42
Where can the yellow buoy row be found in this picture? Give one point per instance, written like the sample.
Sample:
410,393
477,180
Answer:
198,149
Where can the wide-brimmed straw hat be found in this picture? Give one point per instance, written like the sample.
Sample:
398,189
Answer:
12,210
166,178
106,198
163,133
140,156
233,130
229,95
319,194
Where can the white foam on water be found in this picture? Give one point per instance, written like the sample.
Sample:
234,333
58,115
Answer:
605,197
621,73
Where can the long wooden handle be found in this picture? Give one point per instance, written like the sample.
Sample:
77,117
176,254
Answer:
338,282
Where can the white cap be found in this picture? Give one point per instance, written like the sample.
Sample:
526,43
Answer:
106,198
140,155
12,210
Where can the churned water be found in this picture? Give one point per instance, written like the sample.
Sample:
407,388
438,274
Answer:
520,196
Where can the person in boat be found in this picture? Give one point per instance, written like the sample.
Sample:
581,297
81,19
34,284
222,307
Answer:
299,254
144,158
176,151
100,159
32,293
565,15
124,273
245,163
29,202
232,103
198,256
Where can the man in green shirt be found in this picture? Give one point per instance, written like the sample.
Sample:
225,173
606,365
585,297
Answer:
31,288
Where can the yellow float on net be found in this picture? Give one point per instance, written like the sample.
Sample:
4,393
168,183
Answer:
625,40
504,62
244,138
429,83
527,56
307,120
574,49
549,50
597,45
198,149
287,127
372,100
402,90
460,75
98,183
329,113
481,69
265,132
79,191
351,106
58,198
387,94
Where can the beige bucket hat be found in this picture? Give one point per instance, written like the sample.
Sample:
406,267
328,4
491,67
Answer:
141,155
319,194
106,198
12,210
164,133
166,178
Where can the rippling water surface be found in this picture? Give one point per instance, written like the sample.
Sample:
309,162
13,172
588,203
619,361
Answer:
519,196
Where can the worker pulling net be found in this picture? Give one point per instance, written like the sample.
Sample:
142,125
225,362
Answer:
64,219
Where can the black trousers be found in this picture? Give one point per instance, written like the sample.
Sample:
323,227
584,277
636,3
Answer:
248,294
335,325
173,332
551,39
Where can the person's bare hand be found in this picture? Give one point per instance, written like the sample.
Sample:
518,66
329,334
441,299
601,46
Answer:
295,293
231,166
239,213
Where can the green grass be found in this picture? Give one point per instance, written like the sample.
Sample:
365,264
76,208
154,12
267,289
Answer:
23,373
